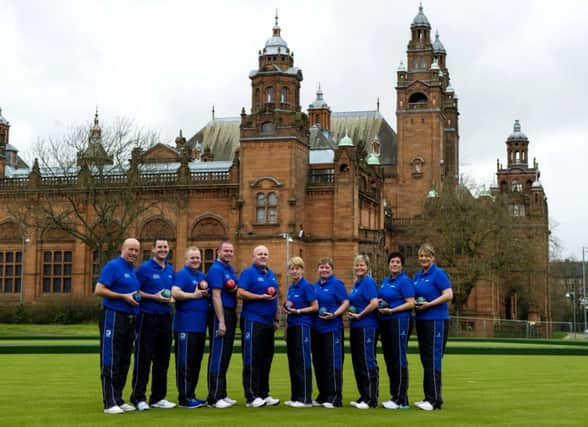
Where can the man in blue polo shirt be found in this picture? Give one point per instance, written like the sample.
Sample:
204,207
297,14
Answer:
154,334
192,307
116,285
258,288
222,279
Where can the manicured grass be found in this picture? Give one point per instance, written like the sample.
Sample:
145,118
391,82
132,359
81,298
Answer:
64,390
50,330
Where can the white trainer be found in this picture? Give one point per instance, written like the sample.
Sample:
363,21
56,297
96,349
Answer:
143,406
256,403
270,401
113,410
328,405
390,404
231,401
127,408
163,404
424,405
353,403
222,404
362,405
298,404
315,403
288,403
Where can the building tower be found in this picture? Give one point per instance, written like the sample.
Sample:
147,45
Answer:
274,145
319,112
520,189
426,114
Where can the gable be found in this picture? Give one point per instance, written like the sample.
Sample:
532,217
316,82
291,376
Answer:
161,153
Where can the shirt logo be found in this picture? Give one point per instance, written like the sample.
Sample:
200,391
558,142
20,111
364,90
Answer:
260,279
156,276
127,276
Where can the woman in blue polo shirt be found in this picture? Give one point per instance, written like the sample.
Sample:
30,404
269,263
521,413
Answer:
396,304
300,304
191,293
363,329
433,292
327,336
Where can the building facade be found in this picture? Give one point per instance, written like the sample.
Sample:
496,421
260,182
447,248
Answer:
312,183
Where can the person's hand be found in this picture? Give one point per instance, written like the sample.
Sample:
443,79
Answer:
354,316
385,310
221,330
327,316
130,299
421,306
200,293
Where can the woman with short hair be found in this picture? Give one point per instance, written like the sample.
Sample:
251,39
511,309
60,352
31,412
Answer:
433,292
396,304
363,332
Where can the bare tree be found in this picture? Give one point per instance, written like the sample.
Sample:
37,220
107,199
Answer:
86,184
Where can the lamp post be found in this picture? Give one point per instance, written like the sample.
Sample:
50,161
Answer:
572,296
25,240
584,302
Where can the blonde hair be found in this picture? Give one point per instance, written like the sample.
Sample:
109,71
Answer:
427,249
362,258
296,261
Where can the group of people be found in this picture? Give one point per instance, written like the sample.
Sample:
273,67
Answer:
137,304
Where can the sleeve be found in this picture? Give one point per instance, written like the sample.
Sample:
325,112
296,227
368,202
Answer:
442,280
107,275
215,278
341,293
245,280
180,280
310,293
141,275
407,288
371,290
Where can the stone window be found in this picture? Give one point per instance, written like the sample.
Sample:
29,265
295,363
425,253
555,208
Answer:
284,95
57,271
266,208
269,95
10,272
516,187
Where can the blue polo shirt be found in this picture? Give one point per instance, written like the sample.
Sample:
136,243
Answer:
191,314
118,275
154,278
363,291
257,280
395,291
217,276
330,294
301,294
430,285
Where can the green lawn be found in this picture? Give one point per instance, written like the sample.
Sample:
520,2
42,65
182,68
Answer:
64,390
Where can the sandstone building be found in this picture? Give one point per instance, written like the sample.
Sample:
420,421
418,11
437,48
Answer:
308,182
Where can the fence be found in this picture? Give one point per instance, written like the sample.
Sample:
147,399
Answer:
502,328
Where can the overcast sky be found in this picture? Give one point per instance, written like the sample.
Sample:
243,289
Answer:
165,63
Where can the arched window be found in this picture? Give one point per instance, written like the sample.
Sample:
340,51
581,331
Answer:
284,95
516,186
257,98
269,94
266,208
417,97
267,127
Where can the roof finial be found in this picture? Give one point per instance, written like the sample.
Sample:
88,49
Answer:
378,105
421,7
276,26
96,117
517,126
213,112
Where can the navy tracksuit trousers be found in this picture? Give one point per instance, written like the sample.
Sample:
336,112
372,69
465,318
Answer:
117,335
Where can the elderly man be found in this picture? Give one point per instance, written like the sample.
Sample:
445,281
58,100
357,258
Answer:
258,288
118,286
